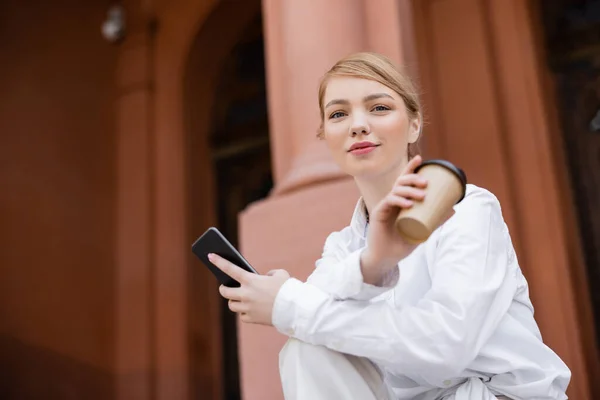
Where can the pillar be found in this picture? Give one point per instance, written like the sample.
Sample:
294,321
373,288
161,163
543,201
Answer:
303,39
498,126
312,197
133,338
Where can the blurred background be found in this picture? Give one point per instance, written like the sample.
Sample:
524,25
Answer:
129,127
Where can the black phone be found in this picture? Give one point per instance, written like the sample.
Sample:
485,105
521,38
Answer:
213,241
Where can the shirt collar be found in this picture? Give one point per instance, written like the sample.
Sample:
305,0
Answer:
359,219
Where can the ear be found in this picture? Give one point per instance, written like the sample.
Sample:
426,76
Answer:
414,130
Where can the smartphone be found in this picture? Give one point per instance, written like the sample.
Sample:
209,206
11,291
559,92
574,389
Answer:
213,241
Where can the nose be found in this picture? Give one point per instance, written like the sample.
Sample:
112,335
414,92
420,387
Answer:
359,126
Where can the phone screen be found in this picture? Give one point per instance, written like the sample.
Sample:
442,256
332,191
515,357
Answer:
213,241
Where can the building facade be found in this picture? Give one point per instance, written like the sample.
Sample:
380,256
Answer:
116,156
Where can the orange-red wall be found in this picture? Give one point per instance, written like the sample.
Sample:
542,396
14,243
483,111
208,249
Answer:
57,190
95,184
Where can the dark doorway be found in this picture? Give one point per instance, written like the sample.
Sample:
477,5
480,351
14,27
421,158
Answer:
240,160
572,35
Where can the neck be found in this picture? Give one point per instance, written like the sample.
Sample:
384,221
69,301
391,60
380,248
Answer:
374,189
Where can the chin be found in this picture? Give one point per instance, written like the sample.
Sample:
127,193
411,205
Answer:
370,168
365,171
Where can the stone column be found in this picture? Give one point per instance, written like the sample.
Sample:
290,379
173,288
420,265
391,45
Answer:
303,39
312,197
132,297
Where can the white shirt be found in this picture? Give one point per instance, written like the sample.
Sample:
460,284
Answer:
458,324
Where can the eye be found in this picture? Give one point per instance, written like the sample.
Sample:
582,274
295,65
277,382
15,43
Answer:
381,108
337,114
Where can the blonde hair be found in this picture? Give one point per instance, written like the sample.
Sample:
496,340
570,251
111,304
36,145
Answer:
378,68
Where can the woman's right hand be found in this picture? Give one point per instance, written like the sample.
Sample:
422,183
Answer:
385,247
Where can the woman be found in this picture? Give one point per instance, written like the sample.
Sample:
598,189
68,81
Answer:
379,318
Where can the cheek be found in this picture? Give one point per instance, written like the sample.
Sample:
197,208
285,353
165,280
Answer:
335,138
393,129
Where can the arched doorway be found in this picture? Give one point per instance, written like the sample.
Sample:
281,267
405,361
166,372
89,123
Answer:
229,166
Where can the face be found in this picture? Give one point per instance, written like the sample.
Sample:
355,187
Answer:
366,127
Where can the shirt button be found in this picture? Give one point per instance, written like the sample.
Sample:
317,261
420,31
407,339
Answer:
447,382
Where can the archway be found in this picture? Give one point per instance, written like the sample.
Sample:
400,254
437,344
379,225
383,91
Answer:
228,167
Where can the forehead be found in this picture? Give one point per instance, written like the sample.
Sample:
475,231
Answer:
354,89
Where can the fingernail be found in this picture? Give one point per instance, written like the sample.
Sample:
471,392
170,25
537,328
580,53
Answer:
211,256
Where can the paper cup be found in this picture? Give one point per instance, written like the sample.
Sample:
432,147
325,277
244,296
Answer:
446,187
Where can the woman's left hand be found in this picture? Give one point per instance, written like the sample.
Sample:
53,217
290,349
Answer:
255,297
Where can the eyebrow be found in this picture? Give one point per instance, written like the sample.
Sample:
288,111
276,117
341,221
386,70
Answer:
365,99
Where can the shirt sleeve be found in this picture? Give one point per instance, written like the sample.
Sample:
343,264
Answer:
339,274
442,334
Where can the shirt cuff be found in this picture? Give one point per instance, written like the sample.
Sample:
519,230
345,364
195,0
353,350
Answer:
295,302
357,288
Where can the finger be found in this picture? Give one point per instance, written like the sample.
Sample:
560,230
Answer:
281,273
394,201
411,180
237,306
392,205
229,268
409,192
278,272
412,164
230,293
245,317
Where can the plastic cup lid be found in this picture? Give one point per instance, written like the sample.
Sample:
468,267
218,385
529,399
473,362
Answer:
460,174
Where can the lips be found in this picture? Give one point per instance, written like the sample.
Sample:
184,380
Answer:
362,145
